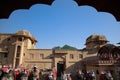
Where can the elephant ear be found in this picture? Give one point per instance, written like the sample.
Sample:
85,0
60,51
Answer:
110,6
8,6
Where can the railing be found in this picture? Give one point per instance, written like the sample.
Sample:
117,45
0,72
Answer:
108,62
103,62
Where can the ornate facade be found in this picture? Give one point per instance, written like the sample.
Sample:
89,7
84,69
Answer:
19,48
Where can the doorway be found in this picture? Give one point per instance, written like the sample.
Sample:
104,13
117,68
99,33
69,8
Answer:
60,68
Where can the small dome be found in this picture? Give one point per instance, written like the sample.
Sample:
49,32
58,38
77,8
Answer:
27,34
96,37
23,32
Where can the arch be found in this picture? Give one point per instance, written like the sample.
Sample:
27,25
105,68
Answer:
110,6
8,6
115,53
103,53
108,52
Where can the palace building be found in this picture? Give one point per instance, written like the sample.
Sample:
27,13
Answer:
19,48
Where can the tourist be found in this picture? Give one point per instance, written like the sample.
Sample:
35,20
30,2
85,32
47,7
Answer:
102,76
109,76
64,75
23,75
92,75
69,76
54,73
35,73
80,75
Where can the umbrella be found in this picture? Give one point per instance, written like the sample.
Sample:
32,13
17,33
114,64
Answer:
8,6
111,6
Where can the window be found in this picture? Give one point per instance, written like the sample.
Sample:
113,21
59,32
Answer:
80,56
31,55
24,54
41,56
6,49
5,55
17,62
19,39
8,39
18,51
71,56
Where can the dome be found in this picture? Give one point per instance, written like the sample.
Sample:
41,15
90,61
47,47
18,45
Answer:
109,51
23,32
96,37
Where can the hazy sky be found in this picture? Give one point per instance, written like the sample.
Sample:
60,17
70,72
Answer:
64,22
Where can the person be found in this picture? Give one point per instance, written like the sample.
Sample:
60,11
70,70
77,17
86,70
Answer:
69,76
50,75
10,73
17,74
35,73
54,73
80,75
1,73
5,73
23,75
64,75
108,76
102,76
92,75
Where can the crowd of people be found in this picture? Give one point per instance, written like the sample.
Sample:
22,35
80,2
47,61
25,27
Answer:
21,73
91,75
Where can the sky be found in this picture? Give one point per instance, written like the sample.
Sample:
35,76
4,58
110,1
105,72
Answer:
64,22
